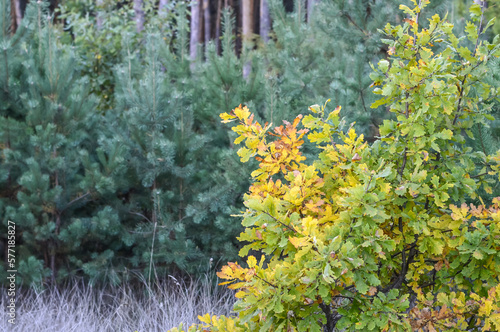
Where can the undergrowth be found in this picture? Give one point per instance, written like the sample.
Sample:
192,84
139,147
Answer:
81,307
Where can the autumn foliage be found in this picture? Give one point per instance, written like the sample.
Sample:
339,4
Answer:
388,236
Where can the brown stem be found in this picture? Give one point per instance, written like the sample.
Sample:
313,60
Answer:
479,31
75,200
479,175
353,23
459,270
459,106
140,215
281,223
53,261
405,157
463,81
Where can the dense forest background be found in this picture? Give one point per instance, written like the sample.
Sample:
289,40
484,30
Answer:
113,160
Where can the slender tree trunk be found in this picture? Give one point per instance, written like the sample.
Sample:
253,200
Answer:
217,26
139,15
53,263
58,227
162,8
195,29
19,14
247,23
265,20
206,20
247,18
13,25
310,9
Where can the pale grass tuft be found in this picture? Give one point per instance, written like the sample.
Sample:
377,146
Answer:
82,308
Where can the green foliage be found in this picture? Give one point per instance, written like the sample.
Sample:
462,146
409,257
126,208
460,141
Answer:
330,56
114,135
50,180
163,152
149,186
178,154
377,237
99,47
486,136
492,11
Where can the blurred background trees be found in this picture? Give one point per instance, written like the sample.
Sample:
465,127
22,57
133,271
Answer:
113,160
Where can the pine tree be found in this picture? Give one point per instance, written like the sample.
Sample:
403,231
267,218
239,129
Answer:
164,150
485,137
220,85
52,182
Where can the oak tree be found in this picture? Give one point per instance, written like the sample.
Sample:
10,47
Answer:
377,237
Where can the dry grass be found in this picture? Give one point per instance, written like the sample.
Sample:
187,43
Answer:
84,308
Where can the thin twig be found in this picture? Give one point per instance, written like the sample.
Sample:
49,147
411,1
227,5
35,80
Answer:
354,23
151,256
459,106
280,222
140,215
75,200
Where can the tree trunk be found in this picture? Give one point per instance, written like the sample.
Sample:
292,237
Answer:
139,15
310,9
53,275
19,14
195,29
247,23
217,26
265,20
247,18
162,8
13,25
206,20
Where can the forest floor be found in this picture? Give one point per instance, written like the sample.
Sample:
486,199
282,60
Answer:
83,308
